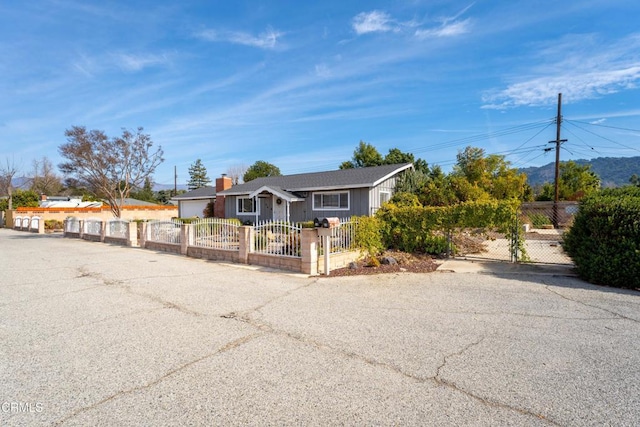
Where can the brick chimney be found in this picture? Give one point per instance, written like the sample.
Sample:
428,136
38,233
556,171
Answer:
43,197
222,183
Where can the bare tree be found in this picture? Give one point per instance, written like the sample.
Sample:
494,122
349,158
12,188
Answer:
7,172
236,172
45,180
110,167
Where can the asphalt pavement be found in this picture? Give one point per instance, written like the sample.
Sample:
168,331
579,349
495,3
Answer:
98,334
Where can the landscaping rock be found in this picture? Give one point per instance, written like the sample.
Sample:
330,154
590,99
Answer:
389,260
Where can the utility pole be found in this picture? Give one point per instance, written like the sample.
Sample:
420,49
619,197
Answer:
558,142
175,181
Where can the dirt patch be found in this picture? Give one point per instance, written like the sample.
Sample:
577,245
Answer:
413,263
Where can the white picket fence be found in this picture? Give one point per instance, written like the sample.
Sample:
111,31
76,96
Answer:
277,238
216,233
92,226
342,237
117,228
167,231
72,225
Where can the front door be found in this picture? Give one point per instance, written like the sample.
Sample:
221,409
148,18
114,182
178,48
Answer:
279,209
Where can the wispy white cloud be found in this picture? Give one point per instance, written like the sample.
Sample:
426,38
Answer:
598,122
373,22
450,26
132,62
266,40
574,86
322,71
449,29
583,68
378,21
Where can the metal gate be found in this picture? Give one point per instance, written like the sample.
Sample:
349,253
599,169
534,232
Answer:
537,236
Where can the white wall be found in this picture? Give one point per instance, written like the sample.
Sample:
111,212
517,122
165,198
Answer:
189,208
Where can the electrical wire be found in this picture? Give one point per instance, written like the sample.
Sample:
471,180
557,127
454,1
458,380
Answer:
603,137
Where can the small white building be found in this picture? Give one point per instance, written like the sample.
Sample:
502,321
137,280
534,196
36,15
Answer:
66,202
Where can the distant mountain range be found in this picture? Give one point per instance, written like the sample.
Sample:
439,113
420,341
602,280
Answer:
613,171
24,183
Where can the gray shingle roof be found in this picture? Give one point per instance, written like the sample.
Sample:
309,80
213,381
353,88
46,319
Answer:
207,192
338,179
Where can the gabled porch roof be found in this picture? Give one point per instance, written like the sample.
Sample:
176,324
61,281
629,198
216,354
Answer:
277,191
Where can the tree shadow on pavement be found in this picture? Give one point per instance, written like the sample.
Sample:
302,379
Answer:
543,274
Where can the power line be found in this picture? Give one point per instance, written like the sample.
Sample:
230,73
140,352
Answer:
603,126
571,122
485,136
581,140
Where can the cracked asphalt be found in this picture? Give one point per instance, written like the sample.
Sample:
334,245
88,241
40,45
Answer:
94,334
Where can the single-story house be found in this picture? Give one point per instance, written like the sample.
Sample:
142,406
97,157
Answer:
303,197
194,202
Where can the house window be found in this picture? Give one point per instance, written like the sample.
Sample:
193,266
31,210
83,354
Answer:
338,201
384,197
247,205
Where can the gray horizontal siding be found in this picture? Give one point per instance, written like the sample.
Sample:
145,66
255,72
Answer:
303,211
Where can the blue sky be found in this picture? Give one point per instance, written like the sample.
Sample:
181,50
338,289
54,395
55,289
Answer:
299,84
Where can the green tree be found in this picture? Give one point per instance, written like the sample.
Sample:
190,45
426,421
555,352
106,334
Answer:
575,182
635,180
395,156
364,155
260,169
21,198
471,164
438,190
197,176
163,196
421,166
411,181
146,192
109,167
488,177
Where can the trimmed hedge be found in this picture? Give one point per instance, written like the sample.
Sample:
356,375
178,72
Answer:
604,241
424,229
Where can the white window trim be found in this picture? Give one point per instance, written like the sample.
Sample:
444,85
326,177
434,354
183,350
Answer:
257,202
388,193
316,208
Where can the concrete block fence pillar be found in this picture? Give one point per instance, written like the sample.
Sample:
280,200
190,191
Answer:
132,234
247,242
142,232
309,251
185,237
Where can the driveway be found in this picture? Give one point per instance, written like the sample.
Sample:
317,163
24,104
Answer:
94,334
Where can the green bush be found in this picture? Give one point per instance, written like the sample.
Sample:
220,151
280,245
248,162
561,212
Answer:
424,229
604,241
53,224
21,198
538,220
368,236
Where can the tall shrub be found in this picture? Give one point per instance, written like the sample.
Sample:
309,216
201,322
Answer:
368,236
425,229
604,241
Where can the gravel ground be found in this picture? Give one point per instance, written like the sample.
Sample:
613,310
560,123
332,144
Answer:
95,334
